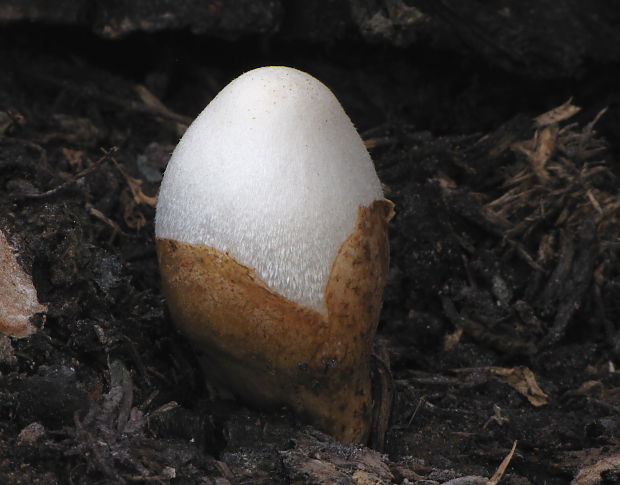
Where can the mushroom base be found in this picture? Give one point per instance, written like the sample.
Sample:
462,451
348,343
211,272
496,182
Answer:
271,351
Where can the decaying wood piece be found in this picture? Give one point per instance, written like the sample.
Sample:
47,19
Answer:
18,296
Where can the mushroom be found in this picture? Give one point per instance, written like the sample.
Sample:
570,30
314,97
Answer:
271,233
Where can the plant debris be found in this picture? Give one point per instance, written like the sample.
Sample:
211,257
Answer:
18,296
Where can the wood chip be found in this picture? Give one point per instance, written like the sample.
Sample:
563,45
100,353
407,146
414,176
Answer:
523,380
499,473
556,115
18,296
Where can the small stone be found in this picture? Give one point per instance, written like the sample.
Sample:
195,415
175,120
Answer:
30,434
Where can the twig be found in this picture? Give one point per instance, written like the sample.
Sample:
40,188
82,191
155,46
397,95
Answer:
497,476
383,393
415,411
95,166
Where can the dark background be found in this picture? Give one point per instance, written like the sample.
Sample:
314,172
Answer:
482,288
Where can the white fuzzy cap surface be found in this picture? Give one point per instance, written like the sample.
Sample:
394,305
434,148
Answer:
273,172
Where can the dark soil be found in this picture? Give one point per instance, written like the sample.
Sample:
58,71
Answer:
501,313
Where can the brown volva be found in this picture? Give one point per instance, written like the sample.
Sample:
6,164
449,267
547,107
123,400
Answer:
272,351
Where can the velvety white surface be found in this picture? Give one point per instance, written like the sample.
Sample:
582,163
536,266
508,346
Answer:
272,171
